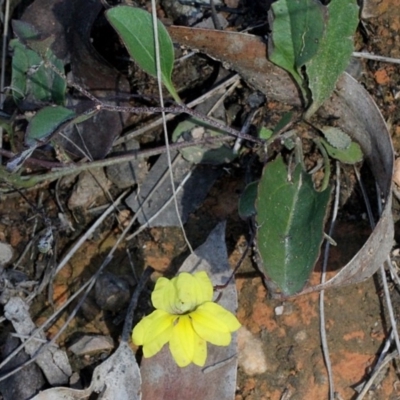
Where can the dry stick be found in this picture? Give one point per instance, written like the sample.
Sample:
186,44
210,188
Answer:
382,356
322,328
63,170
82,239
133,304
165,129
226,93
370,56
375,375
3,61
169,117
178,109
381,268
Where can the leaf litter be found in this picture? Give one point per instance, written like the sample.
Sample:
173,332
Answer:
384,181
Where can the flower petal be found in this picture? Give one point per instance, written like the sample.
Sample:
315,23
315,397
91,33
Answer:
185,345
153,331
193,290
164,296
207,290
214,323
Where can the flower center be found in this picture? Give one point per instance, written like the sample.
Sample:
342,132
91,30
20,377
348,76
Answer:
182,307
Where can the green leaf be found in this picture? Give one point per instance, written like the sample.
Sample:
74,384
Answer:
24,31
31,80
247,201
45,122
135,27
290,219
265,133
336,137
193,129
351,155
334,52
297,27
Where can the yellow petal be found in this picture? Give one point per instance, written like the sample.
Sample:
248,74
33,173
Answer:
200,352
164,296
185,345
193,290
207,290
214,323
153,331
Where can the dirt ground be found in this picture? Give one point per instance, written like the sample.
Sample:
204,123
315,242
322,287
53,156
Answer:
289,363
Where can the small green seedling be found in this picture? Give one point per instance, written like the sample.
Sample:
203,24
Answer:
313,43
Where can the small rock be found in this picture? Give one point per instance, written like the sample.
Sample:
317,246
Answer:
112,292
279,310
25,383
92,344
6,253
300,336
91,185
130,173
251,356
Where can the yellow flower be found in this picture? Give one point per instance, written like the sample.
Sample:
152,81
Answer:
187,318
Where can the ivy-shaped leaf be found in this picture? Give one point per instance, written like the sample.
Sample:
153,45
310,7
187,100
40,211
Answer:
334,52
290,221
135,27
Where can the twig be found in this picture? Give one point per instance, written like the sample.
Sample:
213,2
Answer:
31,180
387,360
382,269
322,328
87,234
133,304
383,279
151,125
164,124
374,57
3,61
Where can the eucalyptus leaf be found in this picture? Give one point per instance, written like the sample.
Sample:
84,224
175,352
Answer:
297,27
290,220
351,155
135,27
45,122
334,52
